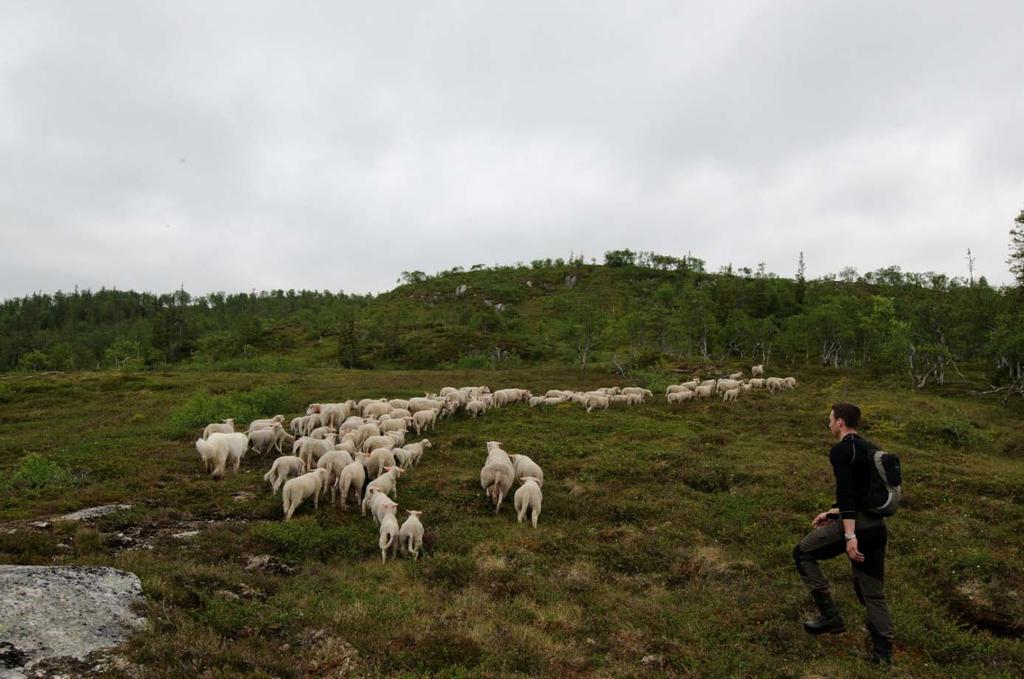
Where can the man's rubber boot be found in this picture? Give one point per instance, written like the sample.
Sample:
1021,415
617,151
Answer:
830,622
881,651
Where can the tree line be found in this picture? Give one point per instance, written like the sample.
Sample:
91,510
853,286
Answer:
634,311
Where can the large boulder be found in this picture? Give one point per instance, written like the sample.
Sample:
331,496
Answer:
49,612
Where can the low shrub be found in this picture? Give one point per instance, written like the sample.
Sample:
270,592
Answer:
36,471
203,408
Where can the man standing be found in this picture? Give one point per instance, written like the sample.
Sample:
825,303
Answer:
849,528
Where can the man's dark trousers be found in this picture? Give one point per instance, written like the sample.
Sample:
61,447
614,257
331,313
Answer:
828,542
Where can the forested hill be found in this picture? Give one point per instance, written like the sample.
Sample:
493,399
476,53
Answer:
634,311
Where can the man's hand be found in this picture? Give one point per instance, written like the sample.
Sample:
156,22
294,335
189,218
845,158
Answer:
853,552
820,520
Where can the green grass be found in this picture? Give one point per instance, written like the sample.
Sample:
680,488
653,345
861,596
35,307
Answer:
664,546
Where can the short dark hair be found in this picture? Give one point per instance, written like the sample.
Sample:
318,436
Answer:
847,412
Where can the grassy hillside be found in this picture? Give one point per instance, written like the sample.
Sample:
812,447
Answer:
664,546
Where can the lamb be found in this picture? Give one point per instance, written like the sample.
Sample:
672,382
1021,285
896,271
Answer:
639,391
418,404
310,450
284,467
756,383
746,387
379,503
380,459
389,531
528,499
410,535
736,376
731,394
421,419
703,391
378,441
393,424
320,433
266,422
497,474
725,385
225,427
387,482
415,450
524,466
365,431
262,440
220,449
334,461
476,408
680,396
376,409
295,426
298,490
790,382
757,370
536,401
594,401
351,480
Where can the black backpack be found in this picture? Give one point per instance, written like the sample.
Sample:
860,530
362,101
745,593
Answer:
885,479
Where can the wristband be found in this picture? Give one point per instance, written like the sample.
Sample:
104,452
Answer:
850,536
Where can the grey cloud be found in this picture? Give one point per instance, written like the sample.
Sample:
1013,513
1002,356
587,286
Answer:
244,145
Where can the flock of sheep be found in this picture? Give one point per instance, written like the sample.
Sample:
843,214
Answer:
730,388
358,450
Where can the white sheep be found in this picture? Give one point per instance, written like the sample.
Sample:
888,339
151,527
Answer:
393,424
725,385
415,450
265,422
379,504
320,433
476,408
218,450
757,370
397,436
593,401
774,384
399,403
756,383
310,450
283,468
497,474
524,466
528,499
388,540
680,396
301,488
225,427
731,394
789,382
334,461
351,480
703,391
377,409
422,419
388,481
410,535
262,440
379,441
736,376
380,459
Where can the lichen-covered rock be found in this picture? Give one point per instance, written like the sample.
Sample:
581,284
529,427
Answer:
48,612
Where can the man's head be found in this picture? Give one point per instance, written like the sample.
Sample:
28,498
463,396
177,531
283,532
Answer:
843,418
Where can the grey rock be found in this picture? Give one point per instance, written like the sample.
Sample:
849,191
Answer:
185,534
93,512
48,612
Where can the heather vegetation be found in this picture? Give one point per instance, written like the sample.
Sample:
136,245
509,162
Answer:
665,542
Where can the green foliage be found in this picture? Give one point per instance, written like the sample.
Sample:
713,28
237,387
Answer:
36,471
304,538
244,406
6,392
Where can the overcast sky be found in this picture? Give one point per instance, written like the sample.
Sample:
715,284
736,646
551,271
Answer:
332,145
